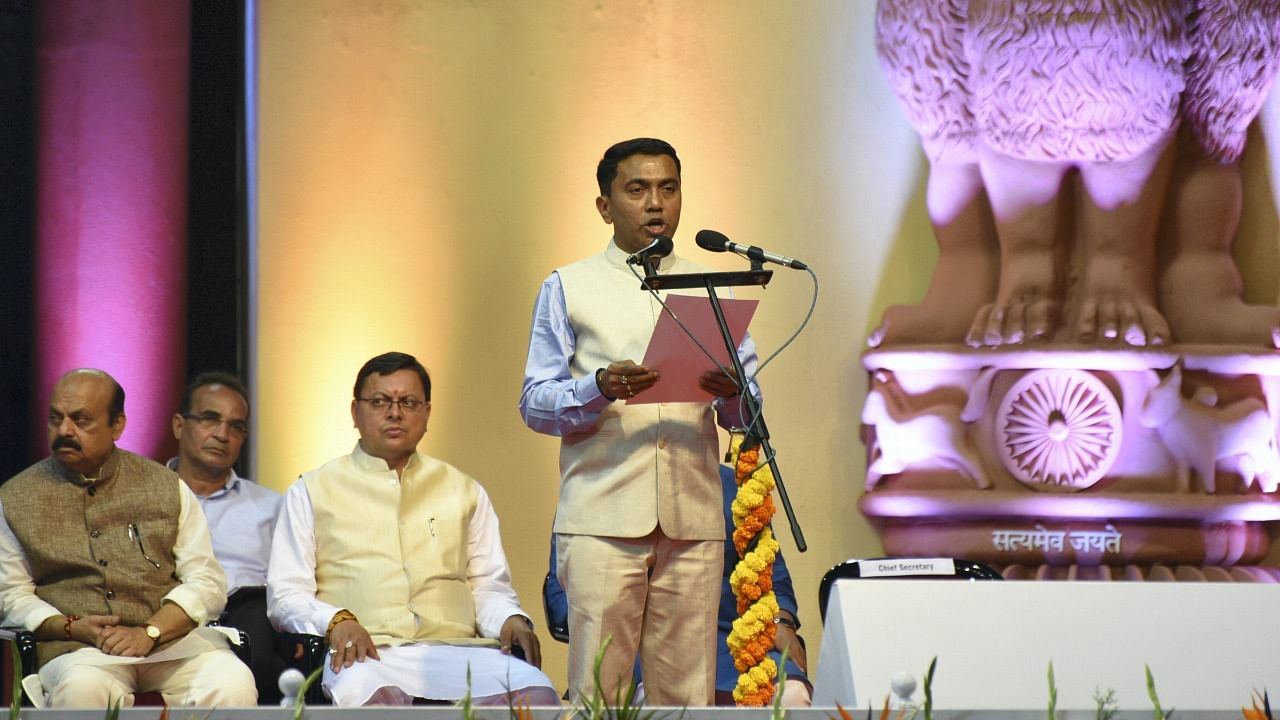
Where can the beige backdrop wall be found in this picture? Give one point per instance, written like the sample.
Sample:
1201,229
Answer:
422,166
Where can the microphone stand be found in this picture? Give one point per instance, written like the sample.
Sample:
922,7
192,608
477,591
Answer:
758,431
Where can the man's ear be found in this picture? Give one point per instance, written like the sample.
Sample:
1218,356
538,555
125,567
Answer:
117,426
176,423
602,206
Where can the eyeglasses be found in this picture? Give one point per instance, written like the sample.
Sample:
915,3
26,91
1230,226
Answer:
381,404
211,420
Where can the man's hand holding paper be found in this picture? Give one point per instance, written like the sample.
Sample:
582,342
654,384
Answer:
687,374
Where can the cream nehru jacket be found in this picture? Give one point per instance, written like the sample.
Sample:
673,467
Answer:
640,466
394,551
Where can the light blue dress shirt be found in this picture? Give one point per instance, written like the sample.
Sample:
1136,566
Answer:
553,402
242,518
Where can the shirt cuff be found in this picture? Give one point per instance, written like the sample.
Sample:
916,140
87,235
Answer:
34,620
790,607
589,393
322,616
192,604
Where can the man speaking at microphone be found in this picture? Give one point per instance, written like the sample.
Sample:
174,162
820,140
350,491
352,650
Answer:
639,530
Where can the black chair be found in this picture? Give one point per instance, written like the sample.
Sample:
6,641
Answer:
25,640
852,569
312,655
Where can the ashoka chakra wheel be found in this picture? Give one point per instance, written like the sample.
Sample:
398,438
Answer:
1059,429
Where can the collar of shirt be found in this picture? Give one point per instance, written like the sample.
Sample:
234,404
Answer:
232,484
369,463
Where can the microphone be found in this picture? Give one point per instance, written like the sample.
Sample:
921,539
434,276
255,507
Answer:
659,248
717,242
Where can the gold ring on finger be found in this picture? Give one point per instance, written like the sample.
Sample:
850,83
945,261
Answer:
626,380
349,644
630,392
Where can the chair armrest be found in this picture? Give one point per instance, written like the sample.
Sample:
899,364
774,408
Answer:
25,641
242,650
314,655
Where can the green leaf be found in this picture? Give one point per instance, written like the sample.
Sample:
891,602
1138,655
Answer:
15,657
1053,694
113,712
928,689
465,704
299,700
1105,704
780,713
1155,698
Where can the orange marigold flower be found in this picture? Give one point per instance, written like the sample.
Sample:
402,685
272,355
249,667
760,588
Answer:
765,510
745,533
760,698
754,633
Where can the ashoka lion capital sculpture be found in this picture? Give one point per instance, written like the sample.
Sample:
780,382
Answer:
1084,349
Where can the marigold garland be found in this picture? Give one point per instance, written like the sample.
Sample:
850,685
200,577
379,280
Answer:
754,631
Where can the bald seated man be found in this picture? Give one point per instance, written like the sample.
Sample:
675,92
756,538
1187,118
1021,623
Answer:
105,556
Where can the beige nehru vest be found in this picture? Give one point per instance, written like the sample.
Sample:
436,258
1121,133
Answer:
94,547
640,466
394,551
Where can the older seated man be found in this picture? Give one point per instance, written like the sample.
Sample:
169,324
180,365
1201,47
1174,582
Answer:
396,559
105,555
211,425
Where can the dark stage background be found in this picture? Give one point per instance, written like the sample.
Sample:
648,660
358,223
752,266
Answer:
216,258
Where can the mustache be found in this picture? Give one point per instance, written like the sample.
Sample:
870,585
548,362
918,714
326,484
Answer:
65,442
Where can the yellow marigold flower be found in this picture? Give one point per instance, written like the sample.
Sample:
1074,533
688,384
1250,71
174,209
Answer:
745,628
751,626
752,632
763,673
743,573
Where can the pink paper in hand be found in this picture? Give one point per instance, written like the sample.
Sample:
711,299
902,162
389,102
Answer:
677,359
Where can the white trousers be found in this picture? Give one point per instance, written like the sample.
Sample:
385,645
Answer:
653,596
437,672
215,678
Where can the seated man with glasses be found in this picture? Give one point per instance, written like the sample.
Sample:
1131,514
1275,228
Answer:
395,557
211,425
